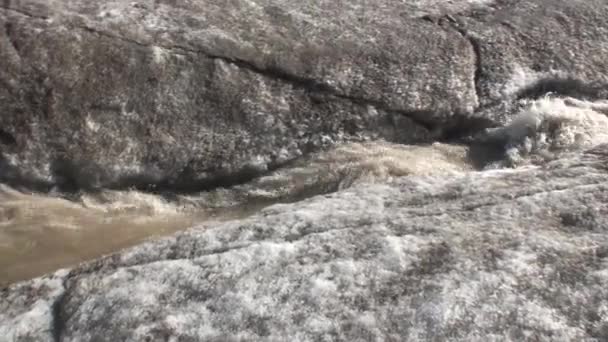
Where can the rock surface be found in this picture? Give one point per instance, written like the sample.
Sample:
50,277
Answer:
189,95
195,94
475,256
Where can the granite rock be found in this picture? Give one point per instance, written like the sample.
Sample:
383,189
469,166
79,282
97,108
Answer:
494,255
191,95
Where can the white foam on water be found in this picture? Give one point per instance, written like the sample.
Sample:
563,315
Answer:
130,201
381,161
551,126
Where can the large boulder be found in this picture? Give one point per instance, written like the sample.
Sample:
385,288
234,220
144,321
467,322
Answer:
195,94
475,256
179,93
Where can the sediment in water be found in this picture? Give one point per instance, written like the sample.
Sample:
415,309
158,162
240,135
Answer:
41,232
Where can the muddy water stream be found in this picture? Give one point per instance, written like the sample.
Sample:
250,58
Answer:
40,233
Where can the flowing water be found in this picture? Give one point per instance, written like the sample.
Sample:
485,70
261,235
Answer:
40,233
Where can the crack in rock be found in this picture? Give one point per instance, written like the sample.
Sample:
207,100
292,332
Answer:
273,72
450,22
57,321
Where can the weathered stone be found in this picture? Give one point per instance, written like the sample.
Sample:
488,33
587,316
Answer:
185,95
195,94
122,93
529,48
494,255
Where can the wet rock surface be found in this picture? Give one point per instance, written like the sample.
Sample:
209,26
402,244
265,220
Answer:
505,254
198,94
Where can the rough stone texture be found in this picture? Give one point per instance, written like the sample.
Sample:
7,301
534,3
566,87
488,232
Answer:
185,94
193,94
532,48
112,93
478,256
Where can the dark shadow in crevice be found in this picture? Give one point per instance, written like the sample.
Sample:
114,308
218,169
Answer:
7,138
71,178
482,155
58,320
570,87
463,128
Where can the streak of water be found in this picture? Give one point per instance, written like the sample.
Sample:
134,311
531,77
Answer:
40,233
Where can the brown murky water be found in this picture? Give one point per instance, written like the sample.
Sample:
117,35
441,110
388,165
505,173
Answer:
40,233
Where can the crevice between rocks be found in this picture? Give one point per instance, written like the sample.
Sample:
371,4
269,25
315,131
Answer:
57,324
8,29
450,22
